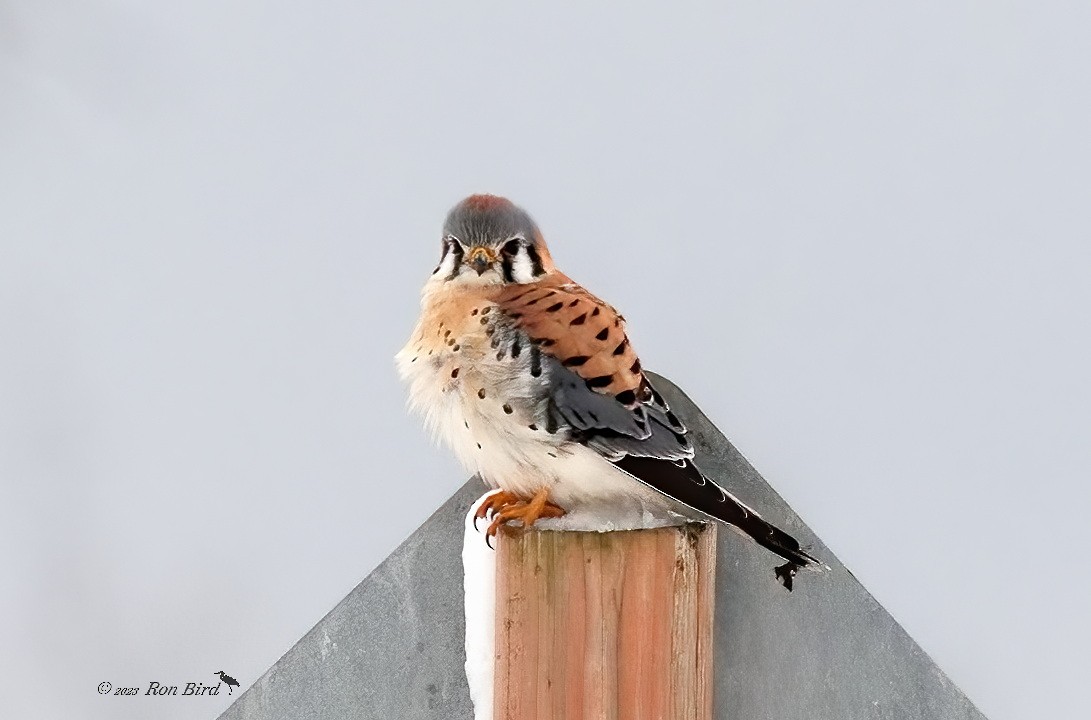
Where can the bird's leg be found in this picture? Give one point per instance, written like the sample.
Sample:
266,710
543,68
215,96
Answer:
526,512
495,502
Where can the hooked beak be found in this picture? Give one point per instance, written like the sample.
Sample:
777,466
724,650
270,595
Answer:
481,259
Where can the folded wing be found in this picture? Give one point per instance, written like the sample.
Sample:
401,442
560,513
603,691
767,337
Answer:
594,387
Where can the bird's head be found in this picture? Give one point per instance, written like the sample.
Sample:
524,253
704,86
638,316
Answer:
488,240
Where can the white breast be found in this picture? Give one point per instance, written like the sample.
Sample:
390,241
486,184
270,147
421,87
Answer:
489,411
506,452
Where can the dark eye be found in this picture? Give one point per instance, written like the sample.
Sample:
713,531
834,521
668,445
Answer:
511,247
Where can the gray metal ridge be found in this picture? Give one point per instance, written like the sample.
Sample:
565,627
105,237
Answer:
394,647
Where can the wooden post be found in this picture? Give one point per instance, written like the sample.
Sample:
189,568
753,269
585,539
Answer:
605,626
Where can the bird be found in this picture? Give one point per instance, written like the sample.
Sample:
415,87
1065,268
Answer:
227,680
532,382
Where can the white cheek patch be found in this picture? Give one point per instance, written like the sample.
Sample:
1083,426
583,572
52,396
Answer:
522,269
447,264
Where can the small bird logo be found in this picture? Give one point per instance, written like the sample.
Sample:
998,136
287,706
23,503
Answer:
228,680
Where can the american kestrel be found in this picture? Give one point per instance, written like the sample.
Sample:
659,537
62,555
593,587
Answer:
533,383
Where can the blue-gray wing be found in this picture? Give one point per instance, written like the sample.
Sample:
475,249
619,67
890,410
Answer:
591,379
591,387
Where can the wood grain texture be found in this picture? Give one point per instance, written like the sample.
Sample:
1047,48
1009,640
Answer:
605,626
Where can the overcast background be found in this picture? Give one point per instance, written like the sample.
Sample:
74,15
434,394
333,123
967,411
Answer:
856,235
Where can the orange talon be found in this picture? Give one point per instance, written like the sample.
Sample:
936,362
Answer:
526,512
493,503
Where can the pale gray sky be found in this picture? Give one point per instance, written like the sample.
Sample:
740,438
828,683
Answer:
856,235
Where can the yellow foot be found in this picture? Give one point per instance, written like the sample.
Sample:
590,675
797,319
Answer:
526,512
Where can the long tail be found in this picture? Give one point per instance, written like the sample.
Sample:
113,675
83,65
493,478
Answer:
684,482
